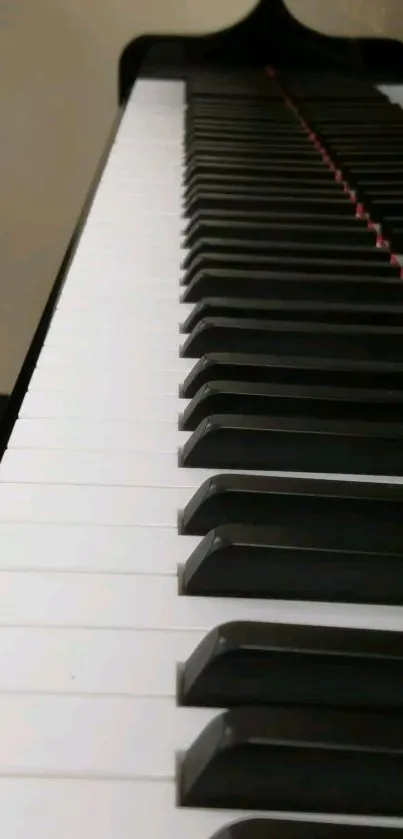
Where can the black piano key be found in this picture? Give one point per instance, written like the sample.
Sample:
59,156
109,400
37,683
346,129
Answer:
327,206
305,265
288,829
214,126
252,161
220,111
396,237
330,234
270,216
288,563
246,192
252,151
364,131
273,284
236,182
282,139
331,117
390,222
314,761
211,165
289,310
295,444
371,257
366,510
372,156
251,663
236,87
292,370
228,334
373,142
243,398
386,207
265,146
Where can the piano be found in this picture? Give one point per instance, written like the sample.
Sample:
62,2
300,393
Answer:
201,530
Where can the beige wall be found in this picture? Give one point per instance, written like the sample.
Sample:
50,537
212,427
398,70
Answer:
351,18
58,85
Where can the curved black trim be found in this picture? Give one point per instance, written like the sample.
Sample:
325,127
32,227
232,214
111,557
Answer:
269,35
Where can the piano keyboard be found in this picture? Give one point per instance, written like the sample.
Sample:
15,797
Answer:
201,530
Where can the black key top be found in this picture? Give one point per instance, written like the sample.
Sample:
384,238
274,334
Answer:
285,264
281,137
322,122
306,760
271,284
296,445
386,207
211,166
293,310
241,115
365,510
288,563
287,829
330,234
368,255
389,222
242,129
219,88
372,156
294,144
278,204
249,663
374,143
396,235
248,191
230,163
288,216
216,181
298,371
362,130
244,398
220,334
247,151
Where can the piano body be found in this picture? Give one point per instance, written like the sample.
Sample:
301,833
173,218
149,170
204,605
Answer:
201,623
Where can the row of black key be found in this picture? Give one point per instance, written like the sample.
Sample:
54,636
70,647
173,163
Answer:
295,335
366,144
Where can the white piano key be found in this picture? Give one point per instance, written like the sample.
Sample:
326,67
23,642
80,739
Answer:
118,506
99,354
113,382
133,232
117,738
68,344
108,404
103,468
102,287
69,808
151,263
130,468
88,661
164,294
107,320
95,435
151,601
93,549
72,318
158,92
